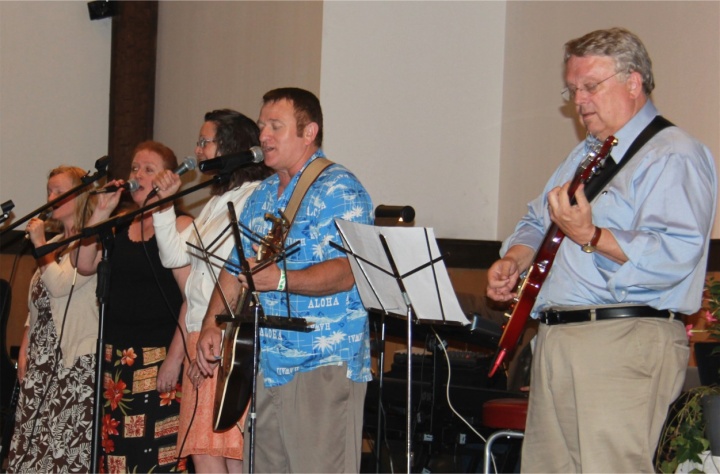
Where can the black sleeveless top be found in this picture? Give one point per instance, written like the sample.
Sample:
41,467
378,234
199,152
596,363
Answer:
137,314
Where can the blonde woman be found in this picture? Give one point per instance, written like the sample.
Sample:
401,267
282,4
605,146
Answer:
56,367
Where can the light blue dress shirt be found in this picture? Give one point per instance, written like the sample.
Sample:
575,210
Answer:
659,207
341,328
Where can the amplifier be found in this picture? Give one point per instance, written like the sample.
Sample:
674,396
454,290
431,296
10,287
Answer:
459,359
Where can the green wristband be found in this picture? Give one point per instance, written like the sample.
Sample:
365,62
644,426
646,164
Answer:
282,281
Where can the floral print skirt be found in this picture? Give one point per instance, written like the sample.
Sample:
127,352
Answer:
139,425
54,415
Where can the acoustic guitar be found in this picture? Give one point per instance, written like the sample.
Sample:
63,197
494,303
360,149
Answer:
235,371
530,286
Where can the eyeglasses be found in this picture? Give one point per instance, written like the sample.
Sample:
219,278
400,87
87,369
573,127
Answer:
204,141
570,92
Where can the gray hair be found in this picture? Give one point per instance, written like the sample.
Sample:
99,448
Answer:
624,47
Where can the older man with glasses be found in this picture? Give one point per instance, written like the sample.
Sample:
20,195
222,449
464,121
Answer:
611,354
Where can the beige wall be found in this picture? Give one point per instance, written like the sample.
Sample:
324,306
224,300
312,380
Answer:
54,103
452,107
227,54
683,39
412,92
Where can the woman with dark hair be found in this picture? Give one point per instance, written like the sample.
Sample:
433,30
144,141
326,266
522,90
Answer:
223,132
143,360
56,365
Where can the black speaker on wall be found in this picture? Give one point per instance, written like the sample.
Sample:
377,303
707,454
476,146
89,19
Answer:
100,9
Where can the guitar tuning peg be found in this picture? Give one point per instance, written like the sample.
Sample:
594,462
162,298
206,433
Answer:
271,217
285,220
282,220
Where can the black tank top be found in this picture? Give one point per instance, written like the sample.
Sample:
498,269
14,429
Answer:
137,314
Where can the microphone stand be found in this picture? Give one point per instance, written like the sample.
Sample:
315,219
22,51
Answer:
104,232
258,313
100,165
259,318
124,218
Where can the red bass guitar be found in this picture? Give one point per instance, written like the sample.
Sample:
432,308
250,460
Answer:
530,285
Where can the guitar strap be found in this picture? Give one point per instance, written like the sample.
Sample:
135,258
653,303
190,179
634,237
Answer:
593,188
308,177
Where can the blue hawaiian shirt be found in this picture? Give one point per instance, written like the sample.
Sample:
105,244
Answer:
340,325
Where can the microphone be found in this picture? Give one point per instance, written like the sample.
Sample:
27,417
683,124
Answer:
101,164
189,164
43,216
7,206
228,163
131,186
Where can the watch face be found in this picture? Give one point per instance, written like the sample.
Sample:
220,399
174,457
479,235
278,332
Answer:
590,246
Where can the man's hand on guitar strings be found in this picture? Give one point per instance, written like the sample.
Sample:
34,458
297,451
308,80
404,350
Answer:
575,220
502,278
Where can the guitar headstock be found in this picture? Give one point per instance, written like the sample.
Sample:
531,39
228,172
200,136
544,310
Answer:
271,244
595,160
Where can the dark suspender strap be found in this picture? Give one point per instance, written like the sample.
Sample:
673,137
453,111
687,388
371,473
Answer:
593,188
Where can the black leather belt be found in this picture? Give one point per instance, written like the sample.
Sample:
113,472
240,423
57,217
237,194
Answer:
552,316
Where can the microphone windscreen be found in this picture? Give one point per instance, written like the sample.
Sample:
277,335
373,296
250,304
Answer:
189,163
258,155
132,185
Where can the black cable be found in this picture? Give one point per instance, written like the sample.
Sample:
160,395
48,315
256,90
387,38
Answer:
176,319
192,419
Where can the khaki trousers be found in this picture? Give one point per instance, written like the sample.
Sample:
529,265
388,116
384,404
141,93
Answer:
311,424
600,392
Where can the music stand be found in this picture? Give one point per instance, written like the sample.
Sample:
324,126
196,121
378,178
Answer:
399,271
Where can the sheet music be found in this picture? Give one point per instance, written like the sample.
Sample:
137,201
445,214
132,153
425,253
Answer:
429,290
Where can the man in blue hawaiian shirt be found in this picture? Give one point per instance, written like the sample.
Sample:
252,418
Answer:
310,404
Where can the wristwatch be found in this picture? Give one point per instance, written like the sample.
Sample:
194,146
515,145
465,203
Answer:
590,246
